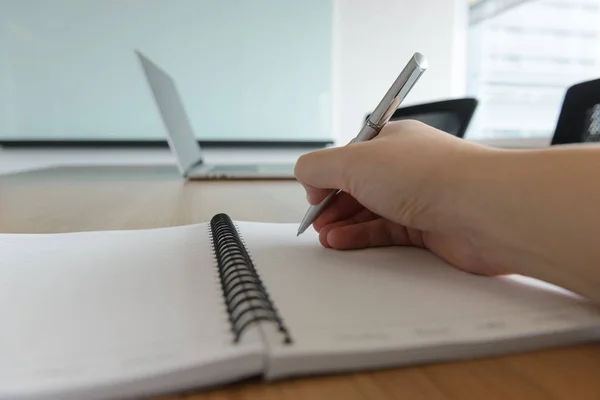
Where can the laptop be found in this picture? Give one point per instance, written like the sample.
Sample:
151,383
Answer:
182,141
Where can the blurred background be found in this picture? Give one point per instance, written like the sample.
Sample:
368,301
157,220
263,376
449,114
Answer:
277,74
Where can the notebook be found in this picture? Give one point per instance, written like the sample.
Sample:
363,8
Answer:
142,313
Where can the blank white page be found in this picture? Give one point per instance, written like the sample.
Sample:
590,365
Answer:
377,300
128,312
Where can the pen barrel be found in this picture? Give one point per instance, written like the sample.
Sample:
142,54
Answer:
375,122
411,73
366,133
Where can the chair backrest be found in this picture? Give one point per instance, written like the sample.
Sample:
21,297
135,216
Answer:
579,119
451,116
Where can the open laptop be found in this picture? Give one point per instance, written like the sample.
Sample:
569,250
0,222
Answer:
183,143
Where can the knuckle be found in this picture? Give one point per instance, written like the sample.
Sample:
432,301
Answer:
299,168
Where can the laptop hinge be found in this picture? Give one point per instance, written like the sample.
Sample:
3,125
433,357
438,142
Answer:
191,167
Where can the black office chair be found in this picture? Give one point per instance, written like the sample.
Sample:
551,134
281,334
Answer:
452,116
579,119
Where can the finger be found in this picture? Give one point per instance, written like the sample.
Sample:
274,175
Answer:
375,233
342,206
332,169
315,195
326,169
323,169
360,217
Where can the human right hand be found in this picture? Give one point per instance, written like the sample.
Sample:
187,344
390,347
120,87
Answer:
483,210
400,188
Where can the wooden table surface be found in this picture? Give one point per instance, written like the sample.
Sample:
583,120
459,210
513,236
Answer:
96,198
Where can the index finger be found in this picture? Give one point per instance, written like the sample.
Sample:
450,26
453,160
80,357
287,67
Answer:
316,166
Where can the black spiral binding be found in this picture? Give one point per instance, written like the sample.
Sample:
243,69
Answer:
245,296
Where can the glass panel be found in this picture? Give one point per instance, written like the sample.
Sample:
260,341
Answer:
246,70
522,61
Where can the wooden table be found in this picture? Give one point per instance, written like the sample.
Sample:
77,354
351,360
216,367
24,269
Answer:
77,199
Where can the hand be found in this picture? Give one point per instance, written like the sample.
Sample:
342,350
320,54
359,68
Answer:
401,188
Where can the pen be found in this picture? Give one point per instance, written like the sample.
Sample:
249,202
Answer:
411,73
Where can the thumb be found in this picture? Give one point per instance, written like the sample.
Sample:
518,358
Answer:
324,170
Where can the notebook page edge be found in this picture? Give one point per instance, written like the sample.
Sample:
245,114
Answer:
283,366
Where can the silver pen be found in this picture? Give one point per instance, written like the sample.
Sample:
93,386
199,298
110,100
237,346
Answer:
411,73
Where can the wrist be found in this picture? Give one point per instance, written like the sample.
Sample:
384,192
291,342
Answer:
528,212
470,187
503,204
482,199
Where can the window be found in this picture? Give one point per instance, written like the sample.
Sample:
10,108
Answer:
523,57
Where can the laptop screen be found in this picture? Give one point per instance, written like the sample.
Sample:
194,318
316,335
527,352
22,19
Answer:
180,134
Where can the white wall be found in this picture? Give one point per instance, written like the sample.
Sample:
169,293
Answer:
374,39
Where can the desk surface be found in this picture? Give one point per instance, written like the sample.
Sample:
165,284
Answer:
76,199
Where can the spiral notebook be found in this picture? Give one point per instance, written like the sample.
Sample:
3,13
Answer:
131,314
